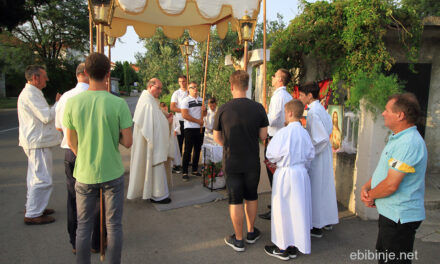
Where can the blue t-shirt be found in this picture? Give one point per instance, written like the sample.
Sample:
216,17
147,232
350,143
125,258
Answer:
405,152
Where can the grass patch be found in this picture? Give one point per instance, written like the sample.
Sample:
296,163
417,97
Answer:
6,103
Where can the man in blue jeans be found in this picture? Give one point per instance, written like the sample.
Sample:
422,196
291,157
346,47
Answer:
397,186
96,122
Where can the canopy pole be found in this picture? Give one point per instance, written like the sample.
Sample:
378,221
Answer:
206,71
264,56
109,84
245,55
90,31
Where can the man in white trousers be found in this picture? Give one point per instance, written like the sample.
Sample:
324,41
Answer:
37,135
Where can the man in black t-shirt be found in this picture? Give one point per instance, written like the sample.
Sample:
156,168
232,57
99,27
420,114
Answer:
237,127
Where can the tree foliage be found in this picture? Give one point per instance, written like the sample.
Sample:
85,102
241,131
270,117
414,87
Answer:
347,39
57,36
126,75
14,12
423,8
162,60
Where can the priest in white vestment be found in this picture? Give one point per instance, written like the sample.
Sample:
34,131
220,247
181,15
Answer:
319,125
292,151
150,151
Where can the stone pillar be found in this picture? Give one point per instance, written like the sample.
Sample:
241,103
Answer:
432,135
372,139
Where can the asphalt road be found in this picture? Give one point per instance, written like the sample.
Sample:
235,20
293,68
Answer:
186,235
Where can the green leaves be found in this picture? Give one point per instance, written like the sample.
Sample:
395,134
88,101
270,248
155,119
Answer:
346,37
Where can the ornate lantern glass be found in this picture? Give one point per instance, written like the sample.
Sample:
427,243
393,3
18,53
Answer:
110,41
102,11
186,49
246,28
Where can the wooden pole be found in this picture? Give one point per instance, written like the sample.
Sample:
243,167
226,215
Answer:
245,55
187,70
206,72
91,32
109,84
264,56
101,224
100,38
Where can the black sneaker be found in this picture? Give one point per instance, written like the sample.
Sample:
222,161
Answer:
292,252
316,232
328,227
163,201
185,177
265,216
251,238
198,174
237,245
177,169
274,251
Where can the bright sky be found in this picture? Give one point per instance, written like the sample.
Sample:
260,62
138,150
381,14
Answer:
127,46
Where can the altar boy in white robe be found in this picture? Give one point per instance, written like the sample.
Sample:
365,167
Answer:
292,151
319,125
151,150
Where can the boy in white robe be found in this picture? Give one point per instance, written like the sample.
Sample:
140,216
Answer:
320,126
292,151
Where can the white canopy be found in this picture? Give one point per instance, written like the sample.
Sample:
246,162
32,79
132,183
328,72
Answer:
174,16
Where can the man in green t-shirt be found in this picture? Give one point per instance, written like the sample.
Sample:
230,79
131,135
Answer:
96,122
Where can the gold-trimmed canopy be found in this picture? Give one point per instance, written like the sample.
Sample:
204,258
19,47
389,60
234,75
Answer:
176,16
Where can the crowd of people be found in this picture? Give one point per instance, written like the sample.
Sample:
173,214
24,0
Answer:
299,159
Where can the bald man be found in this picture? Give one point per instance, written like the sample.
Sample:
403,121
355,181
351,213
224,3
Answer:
151,148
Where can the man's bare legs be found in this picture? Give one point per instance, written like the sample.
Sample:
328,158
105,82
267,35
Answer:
236,212
250,208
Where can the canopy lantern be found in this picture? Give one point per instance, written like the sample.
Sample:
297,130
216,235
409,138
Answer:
110,41
102,11
246,28
186,49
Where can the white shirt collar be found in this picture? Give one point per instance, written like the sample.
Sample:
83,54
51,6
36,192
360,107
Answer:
279,89
82,86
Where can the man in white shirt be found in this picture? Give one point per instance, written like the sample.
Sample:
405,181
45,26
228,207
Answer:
279,98
37,134
193,113
69,162
176,105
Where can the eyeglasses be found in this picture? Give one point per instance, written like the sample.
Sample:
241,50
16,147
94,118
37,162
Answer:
192,87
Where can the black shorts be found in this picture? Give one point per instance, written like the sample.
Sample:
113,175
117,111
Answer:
242,186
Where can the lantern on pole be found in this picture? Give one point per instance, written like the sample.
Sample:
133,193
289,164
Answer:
186,50
109,42
102,14
246,29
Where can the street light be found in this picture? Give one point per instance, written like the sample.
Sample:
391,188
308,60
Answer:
102,14
186,50
246,29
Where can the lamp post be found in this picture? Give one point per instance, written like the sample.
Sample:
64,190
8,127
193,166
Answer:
246,29
102,14
110,42
186,50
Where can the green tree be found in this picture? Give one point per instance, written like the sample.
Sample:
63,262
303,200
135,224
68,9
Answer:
424,8
57,34
347,39
126,75
14,12
162,60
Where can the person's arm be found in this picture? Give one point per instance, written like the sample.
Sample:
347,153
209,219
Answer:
388,186
218,138
174,108
126,137
72,140
262,133
187,116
